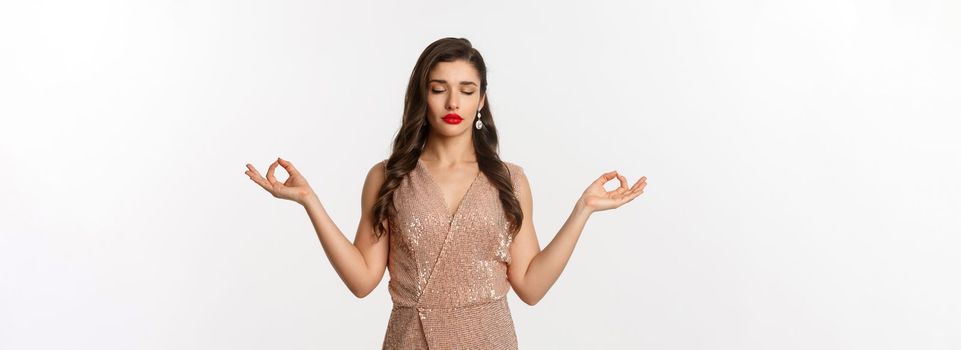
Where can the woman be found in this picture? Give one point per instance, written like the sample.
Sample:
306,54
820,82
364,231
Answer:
457,218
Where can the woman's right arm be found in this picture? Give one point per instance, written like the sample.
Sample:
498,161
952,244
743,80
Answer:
360,264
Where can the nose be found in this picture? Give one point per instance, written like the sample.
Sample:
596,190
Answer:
452,102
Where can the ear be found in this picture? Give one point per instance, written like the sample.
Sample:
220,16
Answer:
482,100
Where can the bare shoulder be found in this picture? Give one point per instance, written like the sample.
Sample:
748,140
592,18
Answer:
378,170
376,176
513,166
517,175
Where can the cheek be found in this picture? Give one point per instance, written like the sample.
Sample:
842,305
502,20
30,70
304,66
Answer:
435,103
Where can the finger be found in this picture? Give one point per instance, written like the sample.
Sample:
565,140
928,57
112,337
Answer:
263,183
289,167
253,173
623,188
623,181
635,192
270,173
642,180
624,198
257,178
606,177
638,188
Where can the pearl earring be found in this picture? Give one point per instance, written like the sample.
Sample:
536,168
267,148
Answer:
478,124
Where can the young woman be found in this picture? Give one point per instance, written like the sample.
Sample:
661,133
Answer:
446,216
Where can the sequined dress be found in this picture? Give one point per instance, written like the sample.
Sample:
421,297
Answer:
448,273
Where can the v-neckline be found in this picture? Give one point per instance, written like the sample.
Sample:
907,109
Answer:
440,192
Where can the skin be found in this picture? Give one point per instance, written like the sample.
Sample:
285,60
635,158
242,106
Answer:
449,156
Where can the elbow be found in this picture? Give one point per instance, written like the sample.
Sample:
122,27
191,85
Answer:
363,288
361,292
525,294
529,299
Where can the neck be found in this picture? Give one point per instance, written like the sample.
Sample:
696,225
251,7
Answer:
450,150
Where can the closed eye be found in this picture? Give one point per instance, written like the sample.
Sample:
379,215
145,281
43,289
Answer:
442,91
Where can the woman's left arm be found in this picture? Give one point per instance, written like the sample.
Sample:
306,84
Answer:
532,271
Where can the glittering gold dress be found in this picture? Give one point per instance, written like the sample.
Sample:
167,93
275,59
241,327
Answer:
448,273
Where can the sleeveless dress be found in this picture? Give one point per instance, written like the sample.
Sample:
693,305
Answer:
448,273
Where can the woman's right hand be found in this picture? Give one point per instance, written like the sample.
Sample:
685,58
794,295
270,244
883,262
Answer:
295,188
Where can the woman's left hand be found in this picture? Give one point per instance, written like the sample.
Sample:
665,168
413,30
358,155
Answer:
596,198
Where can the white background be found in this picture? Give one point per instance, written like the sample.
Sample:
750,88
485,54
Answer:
802,157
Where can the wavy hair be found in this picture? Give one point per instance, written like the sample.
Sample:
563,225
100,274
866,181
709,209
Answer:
412,136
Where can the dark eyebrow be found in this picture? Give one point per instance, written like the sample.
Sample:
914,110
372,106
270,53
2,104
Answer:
445,82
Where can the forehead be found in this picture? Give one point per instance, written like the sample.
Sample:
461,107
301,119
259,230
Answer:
456,71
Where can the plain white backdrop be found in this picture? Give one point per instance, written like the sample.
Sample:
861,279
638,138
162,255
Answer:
802,158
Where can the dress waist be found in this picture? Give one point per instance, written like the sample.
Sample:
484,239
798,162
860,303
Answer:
473,305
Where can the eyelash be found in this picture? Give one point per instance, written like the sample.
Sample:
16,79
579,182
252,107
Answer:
437,92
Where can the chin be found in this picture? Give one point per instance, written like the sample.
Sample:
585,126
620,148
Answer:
450,130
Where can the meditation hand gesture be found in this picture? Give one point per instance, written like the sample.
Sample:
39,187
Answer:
596,198
295,188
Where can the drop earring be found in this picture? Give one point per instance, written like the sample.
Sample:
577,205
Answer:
478,123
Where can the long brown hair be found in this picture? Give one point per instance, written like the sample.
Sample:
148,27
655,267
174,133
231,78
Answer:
412,136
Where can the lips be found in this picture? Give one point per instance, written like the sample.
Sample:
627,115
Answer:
452,118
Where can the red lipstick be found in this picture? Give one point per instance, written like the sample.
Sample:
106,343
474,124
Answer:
452,118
